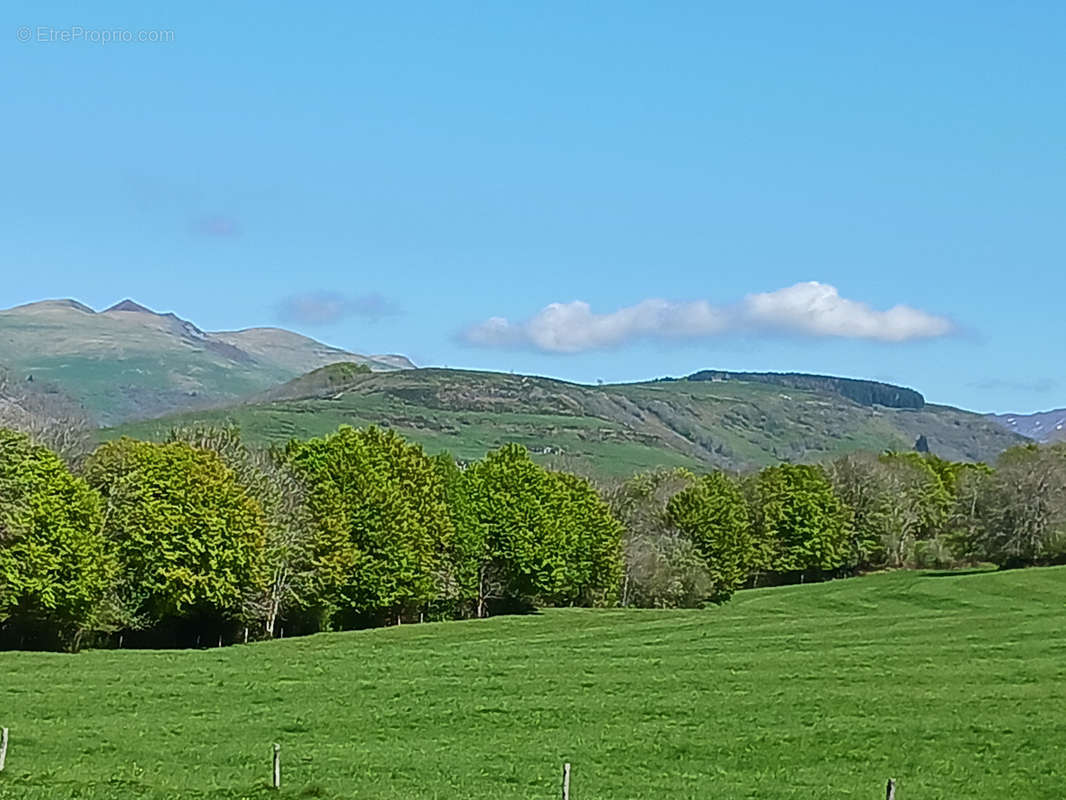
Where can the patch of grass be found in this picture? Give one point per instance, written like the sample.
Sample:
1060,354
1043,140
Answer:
954,686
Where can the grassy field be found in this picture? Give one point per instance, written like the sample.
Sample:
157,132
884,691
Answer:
953,684
606,431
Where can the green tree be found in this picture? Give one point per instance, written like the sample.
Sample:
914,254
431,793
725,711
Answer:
801,525
861,482
591,541
272,482
464,553
971,491
902,507
188,537
56,572
520,560
918,505
547,537
382,523
714,516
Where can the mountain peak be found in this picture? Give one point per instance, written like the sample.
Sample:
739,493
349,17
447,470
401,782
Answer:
130,305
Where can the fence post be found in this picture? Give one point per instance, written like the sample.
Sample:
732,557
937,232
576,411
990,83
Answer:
566,781
3,747
277,766
890,790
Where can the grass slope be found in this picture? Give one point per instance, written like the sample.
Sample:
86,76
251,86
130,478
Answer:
608,430
953,684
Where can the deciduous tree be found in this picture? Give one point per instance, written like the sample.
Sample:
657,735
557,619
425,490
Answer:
56,572
662,568
271,481
713,514
189,539
801,525
548,538
381,519
1021,511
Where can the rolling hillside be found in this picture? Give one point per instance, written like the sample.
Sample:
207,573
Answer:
602,430
129,362
953,684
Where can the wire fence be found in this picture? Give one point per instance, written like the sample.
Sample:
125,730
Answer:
890,788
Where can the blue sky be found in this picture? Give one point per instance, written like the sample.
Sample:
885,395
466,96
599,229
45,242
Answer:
391,177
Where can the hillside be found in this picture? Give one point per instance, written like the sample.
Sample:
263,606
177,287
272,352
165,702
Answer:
129,362
951,683
38,407
603,430
1046,426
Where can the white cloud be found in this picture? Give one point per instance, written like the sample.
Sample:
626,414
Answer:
817,309
811,309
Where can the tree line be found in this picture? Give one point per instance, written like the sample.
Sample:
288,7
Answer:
203,540
690,538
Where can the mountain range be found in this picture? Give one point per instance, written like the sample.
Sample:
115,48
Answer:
129,362
1045,426
132,370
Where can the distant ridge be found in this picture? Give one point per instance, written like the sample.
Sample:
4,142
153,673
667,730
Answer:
1044,426
863,392
130,362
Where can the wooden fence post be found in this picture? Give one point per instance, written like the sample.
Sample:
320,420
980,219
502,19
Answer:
890,790
566,781
3,747
277,766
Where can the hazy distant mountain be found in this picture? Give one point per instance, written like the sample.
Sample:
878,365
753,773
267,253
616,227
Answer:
1045,426
129,362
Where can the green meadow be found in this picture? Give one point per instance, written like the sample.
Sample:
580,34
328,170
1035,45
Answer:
954,684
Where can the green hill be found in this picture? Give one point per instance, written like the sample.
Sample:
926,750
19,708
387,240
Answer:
952,684
129,362
603,430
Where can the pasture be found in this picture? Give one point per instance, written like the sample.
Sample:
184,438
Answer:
954,684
